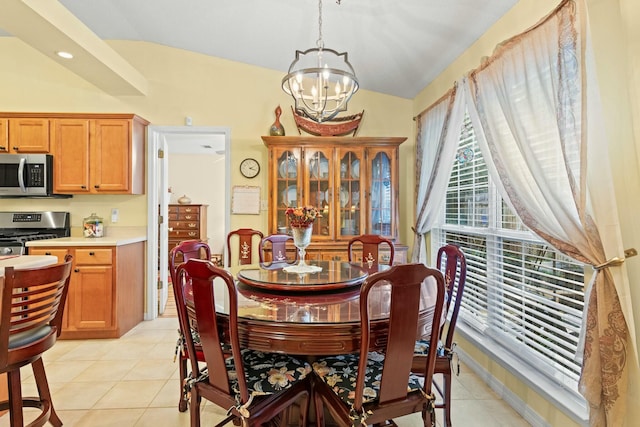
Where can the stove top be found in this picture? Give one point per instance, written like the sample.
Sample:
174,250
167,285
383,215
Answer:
17,228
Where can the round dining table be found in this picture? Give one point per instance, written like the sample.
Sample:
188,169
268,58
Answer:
312,314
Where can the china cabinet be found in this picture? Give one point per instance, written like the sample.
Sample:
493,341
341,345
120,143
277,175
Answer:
353,181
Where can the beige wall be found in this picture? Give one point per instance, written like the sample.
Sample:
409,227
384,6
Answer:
216,92
209,171
213,91
616,41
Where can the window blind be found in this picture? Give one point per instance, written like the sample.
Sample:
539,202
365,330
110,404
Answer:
520,291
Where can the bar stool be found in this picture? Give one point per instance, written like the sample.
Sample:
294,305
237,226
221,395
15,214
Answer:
30,323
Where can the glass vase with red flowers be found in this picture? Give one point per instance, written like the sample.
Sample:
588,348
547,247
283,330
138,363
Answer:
301,222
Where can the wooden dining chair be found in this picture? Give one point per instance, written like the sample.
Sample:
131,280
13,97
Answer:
452,262
370,249
245,238
370,387
253,386
30,323
184,251
276,246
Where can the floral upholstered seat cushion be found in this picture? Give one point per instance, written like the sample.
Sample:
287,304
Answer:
422,348
267,373
340,372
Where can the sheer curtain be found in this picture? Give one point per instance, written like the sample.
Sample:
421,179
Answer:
437,139
535,107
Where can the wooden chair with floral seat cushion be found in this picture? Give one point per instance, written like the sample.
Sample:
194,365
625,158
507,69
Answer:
254,386
277,243
31,313
370,249
184,251
451,260
388,389
246,238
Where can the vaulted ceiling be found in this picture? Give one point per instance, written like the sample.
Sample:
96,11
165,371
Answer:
395,47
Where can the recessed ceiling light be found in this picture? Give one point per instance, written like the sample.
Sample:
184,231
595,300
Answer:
65,55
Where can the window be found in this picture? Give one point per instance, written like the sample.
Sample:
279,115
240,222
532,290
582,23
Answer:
520,292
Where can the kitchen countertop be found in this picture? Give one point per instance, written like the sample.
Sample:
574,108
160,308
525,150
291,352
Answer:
114,236
26,261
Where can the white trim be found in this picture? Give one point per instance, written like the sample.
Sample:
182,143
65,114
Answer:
569,404
155,138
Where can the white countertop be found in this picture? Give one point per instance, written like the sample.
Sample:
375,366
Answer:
26,261
114,236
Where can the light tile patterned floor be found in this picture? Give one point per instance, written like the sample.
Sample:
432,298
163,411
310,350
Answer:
133,381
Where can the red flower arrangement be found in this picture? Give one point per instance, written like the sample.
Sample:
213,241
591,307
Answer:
302,216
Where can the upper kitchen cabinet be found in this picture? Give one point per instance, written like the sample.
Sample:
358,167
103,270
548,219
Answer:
99,154
24,134
353,181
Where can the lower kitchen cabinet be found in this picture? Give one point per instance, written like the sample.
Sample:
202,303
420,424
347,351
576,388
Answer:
106,292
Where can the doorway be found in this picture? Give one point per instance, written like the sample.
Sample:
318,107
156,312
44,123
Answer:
162,142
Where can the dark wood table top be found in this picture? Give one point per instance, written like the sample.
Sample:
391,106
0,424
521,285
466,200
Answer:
323,318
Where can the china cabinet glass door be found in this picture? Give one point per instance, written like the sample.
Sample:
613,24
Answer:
319,189
287,189
382,215
350,200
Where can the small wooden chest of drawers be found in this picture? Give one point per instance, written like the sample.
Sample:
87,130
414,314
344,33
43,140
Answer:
187,222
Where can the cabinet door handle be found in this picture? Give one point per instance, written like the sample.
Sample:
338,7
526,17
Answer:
16,148
47,253
83,187
77,270
96,186
2,147
92,253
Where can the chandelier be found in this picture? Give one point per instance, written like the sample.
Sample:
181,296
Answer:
321,81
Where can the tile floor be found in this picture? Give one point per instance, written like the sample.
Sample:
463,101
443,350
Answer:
133,381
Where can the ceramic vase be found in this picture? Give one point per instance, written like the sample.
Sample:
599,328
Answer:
276,128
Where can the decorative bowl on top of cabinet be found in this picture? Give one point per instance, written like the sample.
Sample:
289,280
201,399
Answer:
353,181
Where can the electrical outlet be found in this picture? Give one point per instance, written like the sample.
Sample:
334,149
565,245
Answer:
114,215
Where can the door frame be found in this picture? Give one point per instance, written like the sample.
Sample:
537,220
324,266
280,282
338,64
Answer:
157,139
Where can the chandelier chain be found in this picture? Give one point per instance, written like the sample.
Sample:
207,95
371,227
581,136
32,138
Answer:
319,42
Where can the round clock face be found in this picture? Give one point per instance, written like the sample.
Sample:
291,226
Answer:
250,168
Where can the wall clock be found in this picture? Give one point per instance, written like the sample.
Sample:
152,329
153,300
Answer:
249,168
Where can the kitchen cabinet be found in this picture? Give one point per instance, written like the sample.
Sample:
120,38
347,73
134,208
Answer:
106,292
187,222
353,181
99,154
24,134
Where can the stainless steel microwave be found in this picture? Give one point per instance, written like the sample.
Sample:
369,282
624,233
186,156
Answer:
26,175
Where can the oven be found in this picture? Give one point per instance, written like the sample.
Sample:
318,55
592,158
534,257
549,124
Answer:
18,228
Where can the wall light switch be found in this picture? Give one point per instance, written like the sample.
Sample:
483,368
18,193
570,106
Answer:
114,214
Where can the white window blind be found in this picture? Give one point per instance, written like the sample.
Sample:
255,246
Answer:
520,291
